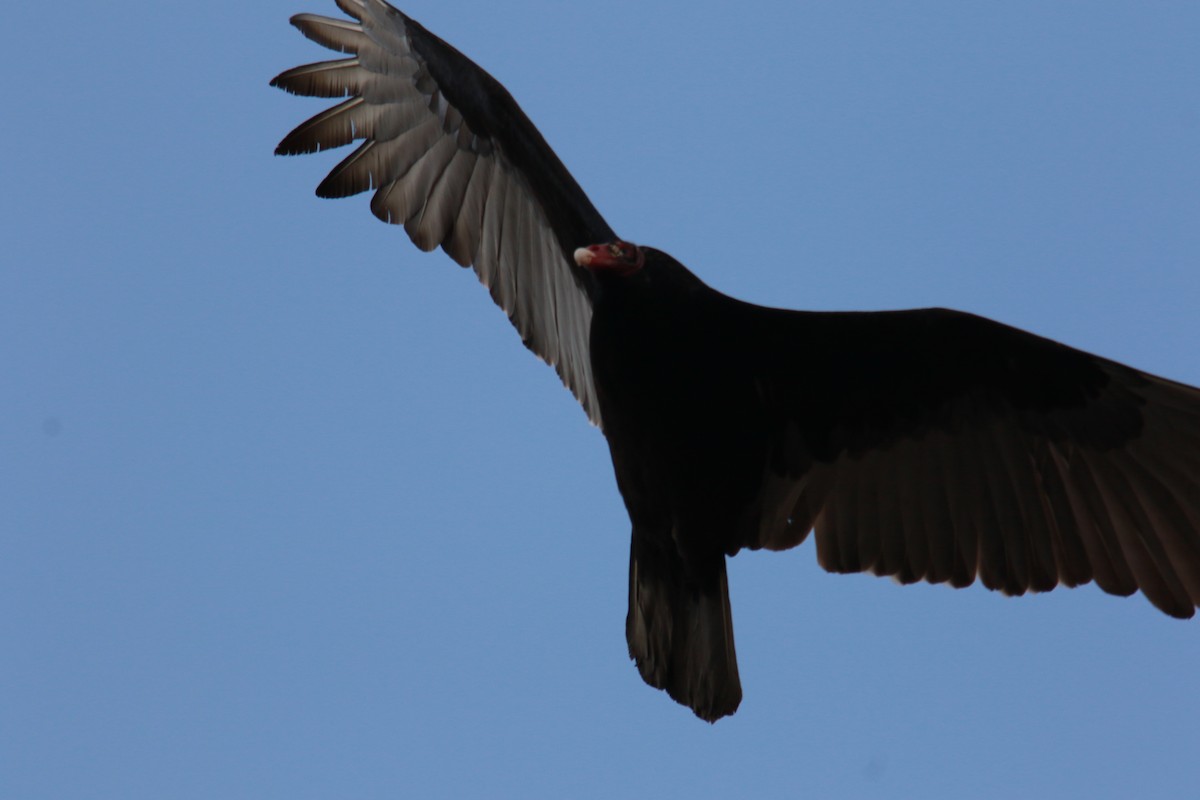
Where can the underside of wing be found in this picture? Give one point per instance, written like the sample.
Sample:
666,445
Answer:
983,451
450,155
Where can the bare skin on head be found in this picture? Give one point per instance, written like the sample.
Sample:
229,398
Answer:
616,257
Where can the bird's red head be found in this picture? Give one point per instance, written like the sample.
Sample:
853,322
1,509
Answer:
615,258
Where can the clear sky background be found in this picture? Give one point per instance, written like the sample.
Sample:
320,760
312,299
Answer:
287,511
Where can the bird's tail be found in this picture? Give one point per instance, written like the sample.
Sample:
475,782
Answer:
680,630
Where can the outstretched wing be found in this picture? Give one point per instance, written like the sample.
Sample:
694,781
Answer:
452,157
940,446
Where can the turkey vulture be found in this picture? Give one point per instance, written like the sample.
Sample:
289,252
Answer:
929,445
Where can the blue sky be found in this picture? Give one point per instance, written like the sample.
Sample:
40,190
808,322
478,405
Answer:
287,510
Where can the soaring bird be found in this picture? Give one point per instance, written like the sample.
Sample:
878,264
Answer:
928,445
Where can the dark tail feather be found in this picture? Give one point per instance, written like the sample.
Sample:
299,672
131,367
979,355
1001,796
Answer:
680,631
